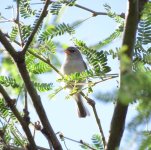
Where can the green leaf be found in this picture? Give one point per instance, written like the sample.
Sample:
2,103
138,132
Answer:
14,33
97,141
55,8
113,15
53,31
25,9
8,81
38,68
25,31
43,87
97,59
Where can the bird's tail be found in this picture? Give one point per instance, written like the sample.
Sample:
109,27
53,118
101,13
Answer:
82,109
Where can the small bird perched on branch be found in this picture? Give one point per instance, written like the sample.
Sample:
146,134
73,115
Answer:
74,63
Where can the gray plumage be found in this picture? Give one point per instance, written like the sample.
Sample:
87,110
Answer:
75,63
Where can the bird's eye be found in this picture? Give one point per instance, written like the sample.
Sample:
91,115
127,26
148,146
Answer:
72,51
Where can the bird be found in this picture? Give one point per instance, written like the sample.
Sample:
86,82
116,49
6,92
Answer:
74,63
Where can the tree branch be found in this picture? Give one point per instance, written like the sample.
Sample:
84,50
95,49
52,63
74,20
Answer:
46,61
95,13
34,31
11,104
38,105
120,111
7,45
92,104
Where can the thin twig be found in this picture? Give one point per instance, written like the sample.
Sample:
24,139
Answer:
95,13
62,137
4,21
46,61
25,110
92,103
18,24
19,94
85,144
15,41
65,145
34,31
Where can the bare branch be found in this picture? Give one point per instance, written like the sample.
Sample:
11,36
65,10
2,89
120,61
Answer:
120,111
18,24
92,104
95,13
62,137
34,31
11,104
38,105
7,45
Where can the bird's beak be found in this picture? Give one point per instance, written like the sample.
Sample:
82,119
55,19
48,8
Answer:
67,52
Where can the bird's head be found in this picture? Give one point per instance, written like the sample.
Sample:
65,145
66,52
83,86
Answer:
73,53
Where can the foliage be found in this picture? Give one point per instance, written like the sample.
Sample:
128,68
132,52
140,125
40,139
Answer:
8,81
42,87
98,60
116,17
10,133
14,33
52,31
56,6
25,9
25,31
96,143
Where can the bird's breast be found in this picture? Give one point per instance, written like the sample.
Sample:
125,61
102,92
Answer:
72,67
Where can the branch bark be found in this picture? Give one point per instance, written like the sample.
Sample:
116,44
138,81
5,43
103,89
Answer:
11,104
120,111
